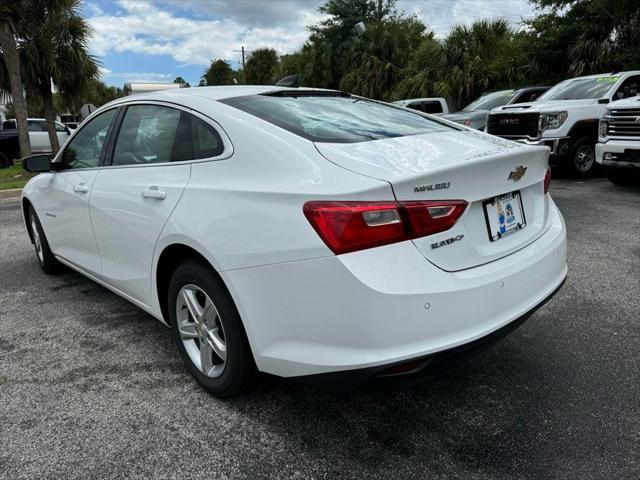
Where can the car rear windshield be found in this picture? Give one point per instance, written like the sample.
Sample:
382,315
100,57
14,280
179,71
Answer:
580,88
335,117
490,101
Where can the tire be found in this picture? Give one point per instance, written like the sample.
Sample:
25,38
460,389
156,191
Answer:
229,368
46,260
582,159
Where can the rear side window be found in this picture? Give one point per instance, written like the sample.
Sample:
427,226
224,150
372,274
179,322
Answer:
36,126
427,106
338,118
205,140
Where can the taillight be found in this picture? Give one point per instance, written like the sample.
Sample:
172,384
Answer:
350,226
547,180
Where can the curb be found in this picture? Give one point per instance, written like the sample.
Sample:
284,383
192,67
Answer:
11,193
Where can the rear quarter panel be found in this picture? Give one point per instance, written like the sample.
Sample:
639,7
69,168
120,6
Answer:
246,210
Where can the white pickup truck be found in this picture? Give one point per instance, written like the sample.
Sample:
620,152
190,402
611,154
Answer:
38,137
618,147
565,118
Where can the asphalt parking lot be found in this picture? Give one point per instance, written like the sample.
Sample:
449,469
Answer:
92,387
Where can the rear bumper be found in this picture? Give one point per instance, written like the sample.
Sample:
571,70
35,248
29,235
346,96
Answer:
387,305
616,154
426,368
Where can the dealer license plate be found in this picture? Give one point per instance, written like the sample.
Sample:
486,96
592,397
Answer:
504,215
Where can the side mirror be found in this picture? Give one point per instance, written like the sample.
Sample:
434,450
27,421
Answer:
37,163
603,101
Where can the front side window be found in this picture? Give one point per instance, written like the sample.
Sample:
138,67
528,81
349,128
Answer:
85,148
629,88
528,96
335,117
150,134
580,89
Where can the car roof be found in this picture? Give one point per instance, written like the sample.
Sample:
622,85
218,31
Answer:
213,93
539,87
609,74
418,99
30,119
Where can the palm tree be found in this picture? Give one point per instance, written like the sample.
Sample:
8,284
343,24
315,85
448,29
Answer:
469,61
10,77
53,49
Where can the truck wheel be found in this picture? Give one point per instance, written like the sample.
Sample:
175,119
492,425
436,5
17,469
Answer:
582,159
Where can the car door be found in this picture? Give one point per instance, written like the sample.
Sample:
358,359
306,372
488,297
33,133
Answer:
132,199
66,208
38,136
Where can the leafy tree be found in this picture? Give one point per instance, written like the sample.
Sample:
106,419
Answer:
374,63
261,67
327,50
218,73
594,35
181,81
11,17
99,94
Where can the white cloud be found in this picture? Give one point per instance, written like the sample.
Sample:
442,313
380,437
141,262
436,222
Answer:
215,29
144,27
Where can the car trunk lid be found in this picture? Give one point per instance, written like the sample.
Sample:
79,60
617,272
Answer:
460,165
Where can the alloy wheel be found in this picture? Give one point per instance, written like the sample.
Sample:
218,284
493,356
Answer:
36,240
584,158
201,330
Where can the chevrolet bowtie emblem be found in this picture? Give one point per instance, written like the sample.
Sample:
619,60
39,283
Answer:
517,173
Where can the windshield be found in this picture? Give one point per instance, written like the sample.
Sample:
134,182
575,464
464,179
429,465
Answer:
580,88
490,101
335,117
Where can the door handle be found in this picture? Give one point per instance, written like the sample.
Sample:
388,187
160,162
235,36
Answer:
153,192
81,188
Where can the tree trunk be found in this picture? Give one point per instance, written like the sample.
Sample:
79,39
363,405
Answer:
10,53
49,114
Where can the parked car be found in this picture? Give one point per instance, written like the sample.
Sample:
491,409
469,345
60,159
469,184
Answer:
38,137
433,105
565,119
475,114
618,147
300,232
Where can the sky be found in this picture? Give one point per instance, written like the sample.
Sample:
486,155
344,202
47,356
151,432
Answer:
159,40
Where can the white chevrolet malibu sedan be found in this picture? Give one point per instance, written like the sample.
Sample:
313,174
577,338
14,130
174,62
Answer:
300,232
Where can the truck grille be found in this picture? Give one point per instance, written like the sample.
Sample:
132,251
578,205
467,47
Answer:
513,125
623,123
